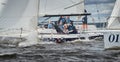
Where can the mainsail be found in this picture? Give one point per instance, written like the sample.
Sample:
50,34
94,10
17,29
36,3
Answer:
18,15
18,18
59,7
114,21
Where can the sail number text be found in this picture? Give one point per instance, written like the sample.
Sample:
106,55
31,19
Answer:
113,38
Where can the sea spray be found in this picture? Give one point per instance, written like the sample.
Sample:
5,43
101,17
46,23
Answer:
32,39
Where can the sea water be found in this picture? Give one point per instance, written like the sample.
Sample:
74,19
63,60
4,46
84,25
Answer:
63,52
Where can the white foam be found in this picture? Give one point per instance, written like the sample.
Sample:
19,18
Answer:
32,39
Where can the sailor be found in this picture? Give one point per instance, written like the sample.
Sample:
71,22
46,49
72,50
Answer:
84,21
72,29
50,26
62,20
68,21
65,28
60,25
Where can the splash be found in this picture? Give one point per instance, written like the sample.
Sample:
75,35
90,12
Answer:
32,39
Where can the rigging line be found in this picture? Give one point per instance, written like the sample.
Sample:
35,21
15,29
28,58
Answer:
64,2
97,11
118,19
4,20
46,19
59,7
37,11
98,14
93,19
74,5
54,9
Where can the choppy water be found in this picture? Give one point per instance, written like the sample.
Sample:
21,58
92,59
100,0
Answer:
65,52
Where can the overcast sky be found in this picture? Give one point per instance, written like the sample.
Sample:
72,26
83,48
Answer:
100,9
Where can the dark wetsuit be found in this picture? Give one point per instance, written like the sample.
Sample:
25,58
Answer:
62,20
71,27
85,20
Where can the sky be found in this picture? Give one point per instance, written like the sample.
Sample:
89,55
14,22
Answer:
100,9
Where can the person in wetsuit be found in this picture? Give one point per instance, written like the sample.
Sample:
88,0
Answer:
84,21
72,29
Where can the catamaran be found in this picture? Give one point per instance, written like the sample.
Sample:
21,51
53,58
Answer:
19,20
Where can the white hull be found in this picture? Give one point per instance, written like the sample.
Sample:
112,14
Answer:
82,36
112,39
16,37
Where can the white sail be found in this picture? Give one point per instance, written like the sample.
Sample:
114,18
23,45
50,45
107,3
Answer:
18,18
114,21
2,4
60,7
19,14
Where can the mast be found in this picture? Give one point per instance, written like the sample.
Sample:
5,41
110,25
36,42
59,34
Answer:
37,13
37,18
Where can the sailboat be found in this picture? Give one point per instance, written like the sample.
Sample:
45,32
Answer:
64,8
112,32
19,19
112,35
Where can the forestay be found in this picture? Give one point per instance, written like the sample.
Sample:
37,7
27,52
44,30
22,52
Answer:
61,7
114,21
